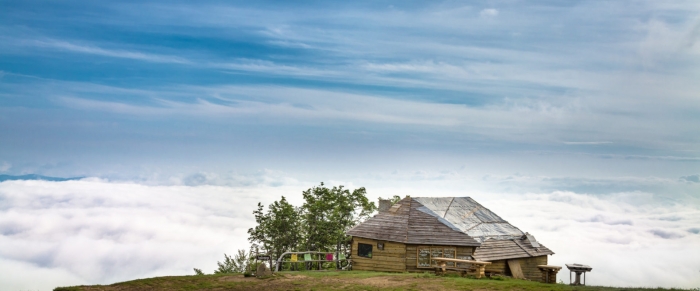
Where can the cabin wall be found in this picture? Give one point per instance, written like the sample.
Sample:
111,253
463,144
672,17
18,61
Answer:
412,252
391,259
528,266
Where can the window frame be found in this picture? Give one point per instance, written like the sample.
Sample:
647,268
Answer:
430,249
363,245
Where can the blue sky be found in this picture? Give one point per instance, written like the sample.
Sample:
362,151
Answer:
435,98
372,84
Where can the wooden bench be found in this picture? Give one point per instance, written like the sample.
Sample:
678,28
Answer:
549,273
476,268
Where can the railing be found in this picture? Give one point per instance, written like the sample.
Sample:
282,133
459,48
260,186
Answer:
337,260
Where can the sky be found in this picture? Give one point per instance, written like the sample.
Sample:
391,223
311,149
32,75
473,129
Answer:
577,121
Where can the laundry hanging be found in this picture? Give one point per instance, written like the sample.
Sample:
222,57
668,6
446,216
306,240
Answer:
307,257
294,258
329,257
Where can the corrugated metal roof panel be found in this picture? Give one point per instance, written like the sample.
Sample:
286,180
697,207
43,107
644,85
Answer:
468,216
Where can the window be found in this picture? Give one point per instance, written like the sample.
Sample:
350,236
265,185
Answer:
426,253
364,250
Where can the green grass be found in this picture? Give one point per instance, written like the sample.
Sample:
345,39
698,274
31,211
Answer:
331,280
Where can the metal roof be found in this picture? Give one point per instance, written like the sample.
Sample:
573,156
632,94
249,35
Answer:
467,216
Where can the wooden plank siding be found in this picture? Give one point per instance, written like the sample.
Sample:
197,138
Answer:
530,269
412,259
391,259
527,265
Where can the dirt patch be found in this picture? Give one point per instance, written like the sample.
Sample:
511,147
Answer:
382,282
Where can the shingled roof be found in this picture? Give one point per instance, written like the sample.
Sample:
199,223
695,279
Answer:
492,250
450,221
407,222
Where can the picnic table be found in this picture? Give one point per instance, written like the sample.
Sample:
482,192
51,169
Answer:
475,268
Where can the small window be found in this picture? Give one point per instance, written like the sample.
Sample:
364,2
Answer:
380,246
364,250
426,253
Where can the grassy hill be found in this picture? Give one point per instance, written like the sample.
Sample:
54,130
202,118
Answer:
355,280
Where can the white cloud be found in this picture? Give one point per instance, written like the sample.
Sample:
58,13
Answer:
97,232
489,12
521,120
95,50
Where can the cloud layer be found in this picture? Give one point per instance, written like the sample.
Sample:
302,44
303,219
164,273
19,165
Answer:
98,232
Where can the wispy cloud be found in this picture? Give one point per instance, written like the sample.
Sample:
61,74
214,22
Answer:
115,53
489,12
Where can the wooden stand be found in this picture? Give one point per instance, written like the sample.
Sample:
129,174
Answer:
549,273
477,267
578,269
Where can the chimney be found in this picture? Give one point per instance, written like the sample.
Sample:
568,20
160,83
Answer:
384,205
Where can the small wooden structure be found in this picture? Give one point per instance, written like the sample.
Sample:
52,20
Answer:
475,268
549,273
411,235
578,269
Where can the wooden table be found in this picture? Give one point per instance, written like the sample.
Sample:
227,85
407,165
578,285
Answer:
578,269
549,273
478,266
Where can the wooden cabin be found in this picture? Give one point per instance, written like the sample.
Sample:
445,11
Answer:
404,237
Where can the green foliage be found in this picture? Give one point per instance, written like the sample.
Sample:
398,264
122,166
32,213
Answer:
329,213
239,263
278,230
394,199
72,288
226,267
198,272
318,225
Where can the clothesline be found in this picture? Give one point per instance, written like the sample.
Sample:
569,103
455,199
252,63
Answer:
307,257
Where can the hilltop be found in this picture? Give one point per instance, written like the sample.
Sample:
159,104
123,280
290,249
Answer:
331,280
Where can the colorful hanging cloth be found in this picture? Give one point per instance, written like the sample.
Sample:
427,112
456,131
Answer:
307,257
294,258
341,256
329,257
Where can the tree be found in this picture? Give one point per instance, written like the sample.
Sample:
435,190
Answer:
278,229
226,267
318,225
394,199
198,272
241,261
329,213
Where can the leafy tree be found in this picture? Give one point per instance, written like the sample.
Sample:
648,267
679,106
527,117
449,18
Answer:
198,272
226,267
318,225
329,213
241,261
278,229
394,199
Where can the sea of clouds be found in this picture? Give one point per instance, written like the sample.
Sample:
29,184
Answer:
95,231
